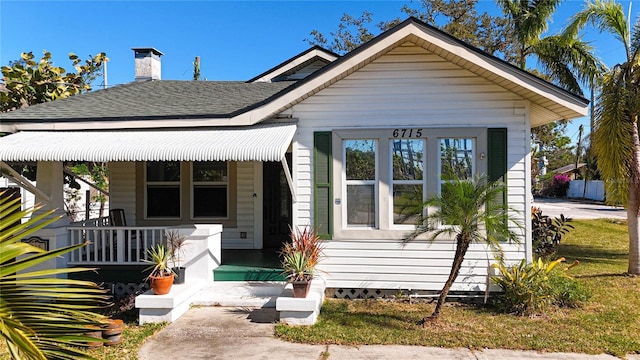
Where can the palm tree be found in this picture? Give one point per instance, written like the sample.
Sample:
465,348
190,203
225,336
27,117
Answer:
469,211
615,137
41,316
566,60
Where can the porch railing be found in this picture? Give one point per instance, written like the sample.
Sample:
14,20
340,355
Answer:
101,221
113,245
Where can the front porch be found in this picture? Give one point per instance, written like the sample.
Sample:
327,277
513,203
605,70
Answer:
118,253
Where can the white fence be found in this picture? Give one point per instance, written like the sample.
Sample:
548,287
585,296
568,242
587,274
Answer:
594,189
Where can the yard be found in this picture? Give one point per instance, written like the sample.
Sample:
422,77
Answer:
608,323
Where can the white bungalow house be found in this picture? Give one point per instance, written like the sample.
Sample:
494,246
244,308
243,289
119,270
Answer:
321,140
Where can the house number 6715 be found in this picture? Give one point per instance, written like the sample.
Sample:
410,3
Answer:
407,133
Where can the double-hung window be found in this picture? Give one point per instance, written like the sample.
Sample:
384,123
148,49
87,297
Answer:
163,189
408,174
361,182
210,184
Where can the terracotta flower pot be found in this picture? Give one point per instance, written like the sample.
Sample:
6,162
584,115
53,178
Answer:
301,288
112,332
97,334
161,285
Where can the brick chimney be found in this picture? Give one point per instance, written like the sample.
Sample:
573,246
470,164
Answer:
148,65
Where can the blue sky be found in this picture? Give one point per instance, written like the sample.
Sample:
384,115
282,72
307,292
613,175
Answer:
235,40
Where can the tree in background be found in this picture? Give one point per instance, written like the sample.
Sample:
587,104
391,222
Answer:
615,138
98,172
456,17
29,82
554,144
564,59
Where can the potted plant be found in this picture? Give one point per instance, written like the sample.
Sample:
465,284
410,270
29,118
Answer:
299,259
176,242
161,276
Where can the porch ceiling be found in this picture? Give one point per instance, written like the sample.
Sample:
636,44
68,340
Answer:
262,142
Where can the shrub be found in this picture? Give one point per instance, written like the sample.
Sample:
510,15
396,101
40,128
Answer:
558,187
547,232
531,288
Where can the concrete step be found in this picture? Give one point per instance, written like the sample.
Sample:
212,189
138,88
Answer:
239,293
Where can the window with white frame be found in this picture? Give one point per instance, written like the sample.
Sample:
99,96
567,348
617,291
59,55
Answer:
361,182
163,189
210,184
407,168
386,174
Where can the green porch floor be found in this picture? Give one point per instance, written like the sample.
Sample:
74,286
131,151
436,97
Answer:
249,265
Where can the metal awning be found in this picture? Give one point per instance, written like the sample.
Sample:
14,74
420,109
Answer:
262,142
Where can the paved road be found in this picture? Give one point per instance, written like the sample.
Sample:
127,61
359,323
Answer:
578,209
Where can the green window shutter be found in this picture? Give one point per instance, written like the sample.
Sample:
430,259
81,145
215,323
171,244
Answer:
322,190
497,157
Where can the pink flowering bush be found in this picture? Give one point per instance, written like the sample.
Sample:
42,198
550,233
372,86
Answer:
558,186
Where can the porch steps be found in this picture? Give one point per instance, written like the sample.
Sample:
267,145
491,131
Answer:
239,294
247,273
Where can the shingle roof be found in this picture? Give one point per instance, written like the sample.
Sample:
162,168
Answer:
161,99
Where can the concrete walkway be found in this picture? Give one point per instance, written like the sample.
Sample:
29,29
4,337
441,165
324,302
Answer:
247,334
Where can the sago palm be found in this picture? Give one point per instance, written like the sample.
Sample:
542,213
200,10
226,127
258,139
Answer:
564,59
615,136
469,211
42,316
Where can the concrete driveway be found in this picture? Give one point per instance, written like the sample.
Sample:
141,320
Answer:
577,209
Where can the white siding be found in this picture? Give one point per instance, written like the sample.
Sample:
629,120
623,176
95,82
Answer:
231,236
409,87
122,189
382,264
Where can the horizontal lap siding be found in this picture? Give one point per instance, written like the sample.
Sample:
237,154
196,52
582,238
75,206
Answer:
408,88
122,189
231,236
393,265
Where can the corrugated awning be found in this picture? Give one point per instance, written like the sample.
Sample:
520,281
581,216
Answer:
262,142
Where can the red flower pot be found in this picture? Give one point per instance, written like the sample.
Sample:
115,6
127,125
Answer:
161,285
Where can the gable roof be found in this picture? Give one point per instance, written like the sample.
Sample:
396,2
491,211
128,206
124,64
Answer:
549,102
315,53
241,104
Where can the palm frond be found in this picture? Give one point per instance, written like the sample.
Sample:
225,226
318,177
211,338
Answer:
611,140
42,316
568,61
531,18
606,16
635,43
468,207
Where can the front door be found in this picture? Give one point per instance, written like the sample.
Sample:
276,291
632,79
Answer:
277,205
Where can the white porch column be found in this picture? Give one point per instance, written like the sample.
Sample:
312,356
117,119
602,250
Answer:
50,180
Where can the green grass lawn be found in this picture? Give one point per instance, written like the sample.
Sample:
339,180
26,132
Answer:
608,323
